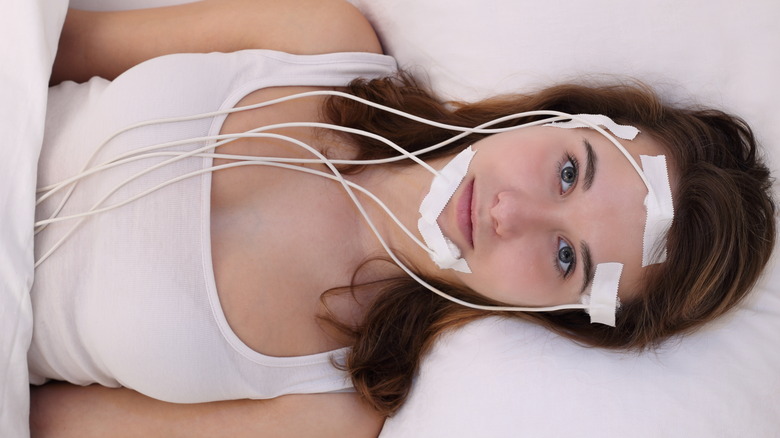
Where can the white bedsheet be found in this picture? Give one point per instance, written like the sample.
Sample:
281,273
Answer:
30,30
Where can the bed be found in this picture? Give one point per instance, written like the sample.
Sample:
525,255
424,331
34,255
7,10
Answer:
496,377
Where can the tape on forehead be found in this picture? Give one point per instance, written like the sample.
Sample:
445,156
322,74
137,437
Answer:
625,132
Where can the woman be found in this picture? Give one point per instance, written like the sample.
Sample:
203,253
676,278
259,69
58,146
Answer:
253,254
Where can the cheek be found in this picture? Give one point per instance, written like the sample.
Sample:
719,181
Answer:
528,168
515,161
513,276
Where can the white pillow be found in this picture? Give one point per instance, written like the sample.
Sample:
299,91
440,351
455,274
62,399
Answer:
30,31
498,378
715,52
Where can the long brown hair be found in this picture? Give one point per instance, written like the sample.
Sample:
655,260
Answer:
721,238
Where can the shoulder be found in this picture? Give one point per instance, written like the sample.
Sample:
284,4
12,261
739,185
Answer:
325,26
108,43
64,410
295,26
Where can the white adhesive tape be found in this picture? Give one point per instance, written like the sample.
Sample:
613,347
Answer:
445,254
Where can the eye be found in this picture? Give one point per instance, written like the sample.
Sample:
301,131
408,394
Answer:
565,258
568,173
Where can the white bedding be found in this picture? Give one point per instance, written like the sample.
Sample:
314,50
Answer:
30,31
496,378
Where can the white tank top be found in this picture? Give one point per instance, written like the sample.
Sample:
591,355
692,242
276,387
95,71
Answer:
130,299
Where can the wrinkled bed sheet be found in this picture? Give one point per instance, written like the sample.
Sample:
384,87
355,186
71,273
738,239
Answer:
30,30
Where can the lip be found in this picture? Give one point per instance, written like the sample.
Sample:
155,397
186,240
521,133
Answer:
464,213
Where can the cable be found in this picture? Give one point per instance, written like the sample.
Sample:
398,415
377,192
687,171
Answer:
286,163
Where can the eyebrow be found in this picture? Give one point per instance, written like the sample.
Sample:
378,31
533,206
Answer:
587,266
590,165
587,182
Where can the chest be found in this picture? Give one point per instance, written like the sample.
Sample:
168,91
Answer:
280,238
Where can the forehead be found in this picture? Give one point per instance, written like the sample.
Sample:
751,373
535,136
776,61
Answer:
617,210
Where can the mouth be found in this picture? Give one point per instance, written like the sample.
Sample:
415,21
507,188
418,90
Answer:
464,213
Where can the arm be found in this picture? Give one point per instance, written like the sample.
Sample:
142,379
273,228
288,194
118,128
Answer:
61,410
108,43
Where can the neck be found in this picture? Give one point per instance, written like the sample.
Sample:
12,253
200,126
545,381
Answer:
402,190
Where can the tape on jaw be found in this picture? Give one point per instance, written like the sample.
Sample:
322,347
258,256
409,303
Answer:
444,252
602,303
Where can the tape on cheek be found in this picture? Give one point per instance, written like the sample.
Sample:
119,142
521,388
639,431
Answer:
444,253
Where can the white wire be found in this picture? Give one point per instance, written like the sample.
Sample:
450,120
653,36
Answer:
50,190
228,138
336,175
177,156
232,137
322,159
405,154
465,130
255,133
245,161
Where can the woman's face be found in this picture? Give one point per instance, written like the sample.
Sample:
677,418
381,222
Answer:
540,207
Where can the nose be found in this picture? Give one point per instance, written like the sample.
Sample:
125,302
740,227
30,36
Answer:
515,213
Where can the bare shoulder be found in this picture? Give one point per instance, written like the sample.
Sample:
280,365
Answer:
322,26
108,43
62,410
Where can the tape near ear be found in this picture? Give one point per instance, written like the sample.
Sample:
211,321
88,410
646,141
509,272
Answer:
602,303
